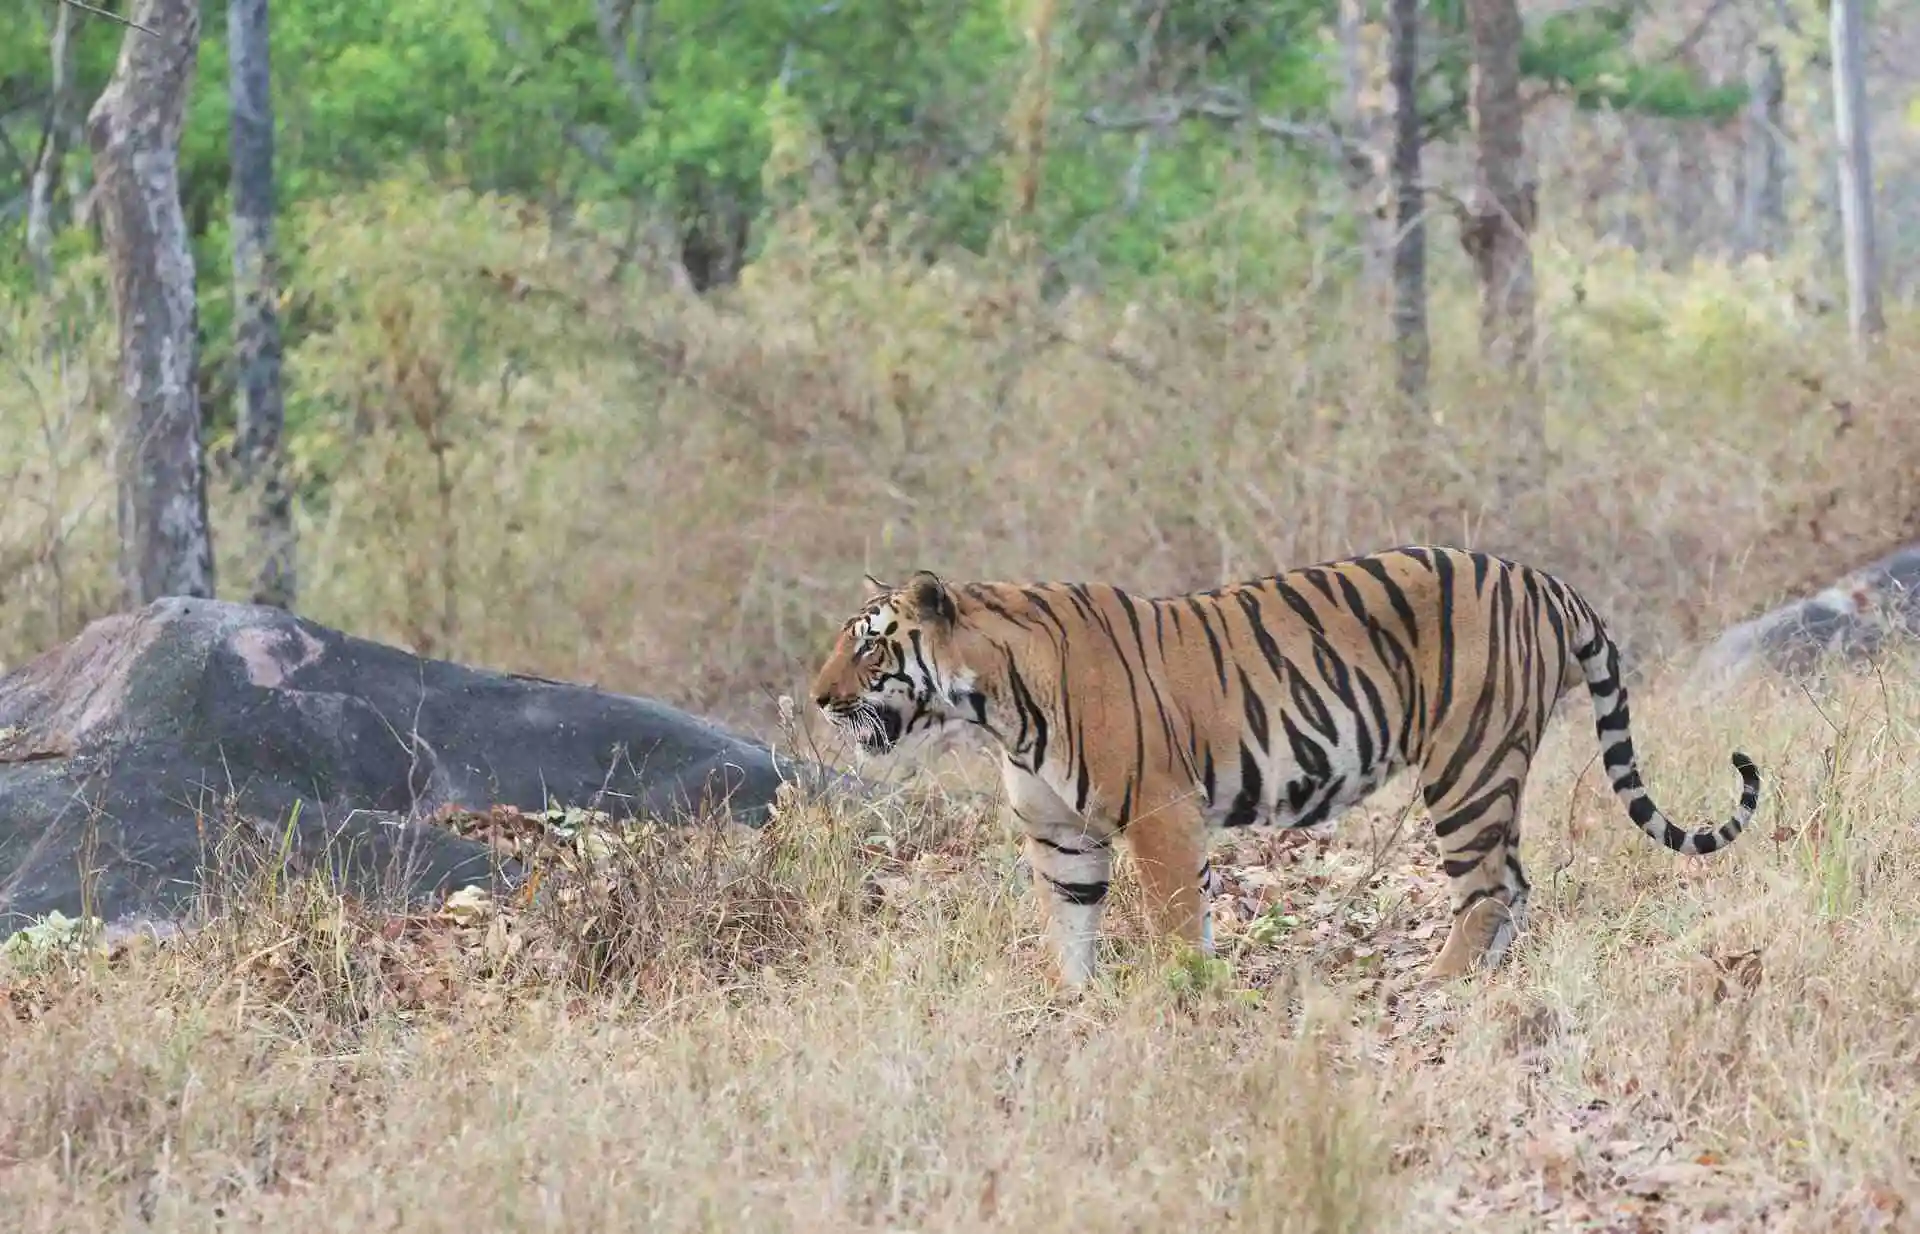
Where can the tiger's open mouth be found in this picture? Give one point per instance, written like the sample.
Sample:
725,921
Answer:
874,729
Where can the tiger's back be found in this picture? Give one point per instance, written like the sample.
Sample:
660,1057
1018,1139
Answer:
1442,659
1305,691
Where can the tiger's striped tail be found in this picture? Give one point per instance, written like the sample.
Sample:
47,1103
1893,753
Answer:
1600,660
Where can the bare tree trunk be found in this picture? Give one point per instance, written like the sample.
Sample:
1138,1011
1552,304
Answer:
1496,226
1031,123
1411,348
1694,231
623,28
134,129
46,168
1357,126
1763,205
256,318
1856,171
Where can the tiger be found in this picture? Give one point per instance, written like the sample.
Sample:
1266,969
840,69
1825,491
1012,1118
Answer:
1277,702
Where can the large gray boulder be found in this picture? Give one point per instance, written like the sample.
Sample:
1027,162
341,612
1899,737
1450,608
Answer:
128,754
1869,610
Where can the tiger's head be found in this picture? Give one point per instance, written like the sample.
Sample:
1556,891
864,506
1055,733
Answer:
894,670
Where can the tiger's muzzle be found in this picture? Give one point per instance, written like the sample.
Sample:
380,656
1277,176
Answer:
876,729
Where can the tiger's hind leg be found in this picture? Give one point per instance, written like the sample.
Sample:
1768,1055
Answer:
1479,838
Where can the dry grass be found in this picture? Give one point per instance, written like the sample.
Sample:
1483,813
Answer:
845,1022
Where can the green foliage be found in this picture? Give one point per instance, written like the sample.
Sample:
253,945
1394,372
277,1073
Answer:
1584,52
1280,53
51,941
734,108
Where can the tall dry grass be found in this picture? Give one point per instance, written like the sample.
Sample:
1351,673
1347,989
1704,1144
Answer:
857,1030
511,456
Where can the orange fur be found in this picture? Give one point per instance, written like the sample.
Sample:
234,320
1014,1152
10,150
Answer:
1280,701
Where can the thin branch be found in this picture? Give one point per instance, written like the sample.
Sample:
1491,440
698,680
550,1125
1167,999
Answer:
1219,106
113,17
1685,46
13,153
1226,108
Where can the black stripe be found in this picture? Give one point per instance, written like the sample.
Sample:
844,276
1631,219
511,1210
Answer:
1250,605
1082,894
1318,578
1443,571
1328,799
1473,898
1031,715
1308,756
1396,596
1038,599
1480,565
1405,676
1153,686
1301,606
1133,692
1515,739
1478,719
997,609
1363,736
1332,667
1213,643
1246,802
1256,710
1311,707
1094,846
1471,811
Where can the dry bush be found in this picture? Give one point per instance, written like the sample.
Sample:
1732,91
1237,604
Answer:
57,539
508,457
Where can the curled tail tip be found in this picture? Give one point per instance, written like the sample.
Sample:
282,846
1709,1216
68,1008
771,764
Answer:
1743,814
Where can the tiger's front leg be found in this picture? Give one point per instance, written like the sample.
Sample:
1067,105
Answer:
1072,870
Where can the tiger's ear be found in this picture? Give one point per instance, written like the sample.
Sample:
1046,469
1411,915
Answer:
929,598
874,586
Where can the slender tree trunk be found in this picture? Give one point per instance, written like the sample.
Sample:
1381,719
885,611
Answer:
46,168
623,28
1694,230
1358,124
1035,103
1411,348
256,318
1856,171
134,129
1496,228
1763,206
